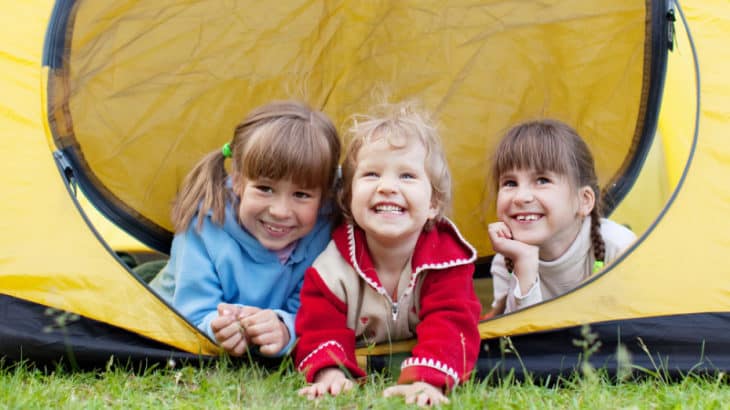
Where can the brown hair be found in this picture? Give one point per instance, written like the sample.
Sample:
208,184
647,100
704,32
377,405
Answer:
398,124
279,140
551,145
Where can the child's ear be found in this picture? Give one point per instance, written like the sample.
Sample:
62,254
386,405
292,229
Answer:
586,200
433,211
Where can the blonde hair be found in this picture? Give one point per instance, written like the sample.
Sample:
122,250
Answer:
398,124
279,140
552,145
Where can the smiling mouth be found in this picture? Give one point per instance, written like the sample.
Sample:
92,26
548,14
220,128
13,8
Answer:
390,209
276,230
527,218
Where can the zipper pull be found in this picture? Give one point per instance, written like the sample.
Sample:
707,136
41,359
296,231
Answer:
68,172
394,310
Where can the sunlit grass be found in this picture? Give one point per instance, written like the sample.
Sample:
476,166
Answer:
223,386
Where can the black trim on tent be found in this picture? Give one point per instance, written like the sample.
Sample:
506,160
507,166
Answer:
55,40
135,224
149,233
661,27
34,333
676,346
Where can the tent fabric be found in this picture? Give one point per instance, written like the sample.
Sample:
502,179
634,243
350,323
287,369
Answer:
86,343
123,78
48,253
125,117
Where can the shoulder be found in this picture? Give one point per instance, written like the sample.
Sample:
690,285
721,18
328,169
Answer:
334,271
616,236
443,245
330,259
616,232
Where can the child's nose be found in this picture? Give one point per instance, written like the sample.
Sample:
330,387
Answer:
280,208
524,194
387,185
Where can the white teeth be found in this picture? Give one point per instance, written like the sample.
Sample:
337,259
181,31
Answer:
388,208
531,217
274,228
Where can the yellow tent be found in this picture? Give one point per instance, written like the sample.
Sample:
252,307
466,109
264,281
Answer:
121,98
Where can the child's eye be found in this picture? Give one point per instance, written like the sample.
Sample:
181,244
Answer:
407,175
302,195
509,183
264,188
370,174
543,180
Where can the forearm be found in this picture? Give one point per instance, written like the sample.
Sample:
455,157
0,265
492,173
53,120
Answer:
321,324
448,335
517,299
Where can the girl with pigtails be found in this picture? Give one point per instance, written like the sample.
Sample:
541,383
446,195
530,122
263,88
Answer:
549,236
244,238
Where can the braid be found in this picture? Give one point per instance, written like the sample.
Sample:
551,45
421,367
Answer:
599,246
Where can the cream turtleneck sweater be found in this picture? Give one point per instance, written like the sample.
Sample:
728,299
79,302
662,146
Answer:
564,273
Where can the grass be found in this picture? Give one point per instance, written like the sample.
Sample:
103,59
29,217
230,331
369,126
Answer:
223,386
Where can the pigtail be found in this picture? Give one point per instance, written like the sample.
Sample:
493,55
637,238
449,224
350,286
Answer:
204,187
599,246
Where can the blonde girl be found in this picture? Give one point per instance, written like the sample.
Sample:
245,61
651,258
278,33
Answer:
396,269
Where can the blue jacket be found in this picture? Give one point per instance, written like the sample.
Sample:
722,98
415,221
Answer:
226,264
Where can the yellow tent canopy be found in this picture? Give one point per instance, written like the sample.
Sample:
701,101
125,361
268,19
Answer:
121,98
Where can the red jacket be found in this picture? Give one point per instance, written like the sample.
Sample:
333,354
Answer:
343,305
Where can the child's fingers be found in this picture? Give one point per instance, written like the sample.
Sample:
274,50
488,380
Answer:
430,398
313,391
233,328
240,348
392,391
305,391
340,386
419,393
319,389
221,322
261,323
225,309
499,230
247,311
270,348
233,340
270,338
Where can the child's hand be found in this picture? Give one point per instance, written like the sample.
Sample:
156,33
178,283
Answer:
330,380
228,332
525,257
504,243
264,328
419,393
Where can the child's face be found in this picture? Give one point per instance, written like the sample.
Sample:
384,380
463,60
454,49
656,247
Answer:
276,212
391,192
542,209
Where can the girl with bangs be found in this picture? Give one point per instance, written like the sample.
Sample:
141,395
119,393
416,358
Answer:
244,239
549,236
